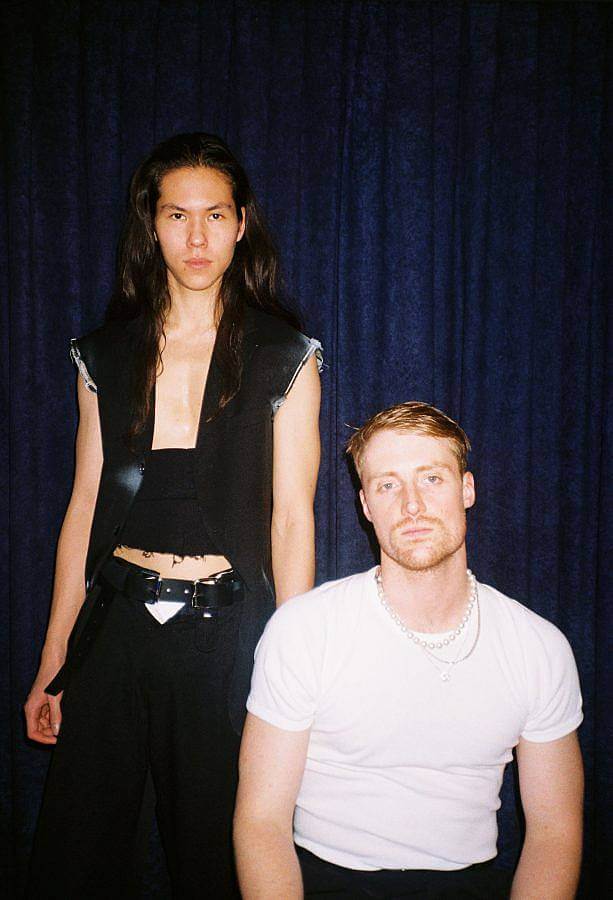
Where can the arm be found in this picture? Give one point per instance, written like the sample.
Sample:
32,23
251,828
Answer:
43,715
551,786
271,768
295,467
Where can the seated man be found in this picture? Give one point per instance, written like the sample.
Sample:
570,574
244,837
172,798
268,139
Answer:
385,706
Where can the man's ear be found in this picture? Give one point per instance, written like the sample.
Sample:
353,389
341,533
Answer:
468,490
243,224
365,505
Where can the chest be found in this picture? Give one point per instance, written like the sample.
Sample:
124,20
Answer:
386,704
179,393
184,412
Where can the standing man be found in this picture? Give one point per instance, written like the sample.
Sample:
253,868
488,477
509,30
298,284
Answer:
385,706
191,514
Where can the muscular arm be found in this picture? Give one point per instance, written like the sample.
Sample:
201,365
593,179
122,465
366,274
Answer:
43,711
295,467
271,768
551,786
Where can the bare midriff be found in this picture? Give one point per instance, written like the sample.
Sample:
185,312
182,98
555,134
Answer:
169,565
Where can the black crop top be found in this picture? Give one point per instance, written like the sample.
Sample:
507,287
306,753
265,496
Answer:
166,516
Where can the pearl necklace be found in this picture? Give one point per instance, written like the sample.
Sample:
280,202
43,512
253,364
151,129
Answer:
429,646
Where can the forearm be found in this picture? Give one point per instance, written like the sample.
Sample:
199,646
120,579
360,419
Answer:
293,553
43,712
548,867
69,585
266,861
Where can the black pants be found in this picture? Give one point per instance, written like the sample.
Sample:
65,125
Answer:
326,880
144,697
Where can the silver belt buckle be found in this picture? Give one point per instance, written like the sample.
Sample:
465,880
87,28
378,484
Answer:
157,589
209,579
206,613
217,576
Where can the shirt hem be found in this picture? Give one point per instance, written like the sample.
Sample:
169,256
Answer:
316,851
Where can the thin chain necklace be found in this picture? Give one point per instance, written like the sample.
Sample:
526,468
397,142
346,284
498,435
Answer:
429,646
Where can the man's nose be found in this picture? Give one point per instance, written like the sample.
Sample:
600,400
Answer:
197,236
413,501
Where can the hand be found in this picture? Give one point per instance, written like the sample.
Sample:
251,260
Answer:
43,715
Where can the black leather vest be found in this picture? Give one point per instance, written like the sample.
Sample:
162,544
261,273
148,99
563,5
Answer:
233,457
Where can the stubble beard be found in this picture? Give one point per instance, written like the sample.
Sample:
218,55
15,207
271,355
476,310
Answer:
420,556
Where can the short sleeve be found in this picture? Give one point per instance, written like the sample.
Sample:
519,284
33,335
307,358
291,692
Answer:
311,347
556,707
77,359
287,672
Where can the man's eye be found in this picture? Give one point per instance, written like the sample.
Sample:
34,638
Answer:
177,216
433,479
386,486
216,217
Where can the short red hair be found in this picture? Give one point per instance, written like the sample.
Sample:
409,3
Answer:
412,416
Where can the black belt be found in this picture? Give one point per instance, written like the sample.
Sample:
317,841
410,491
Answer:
146,586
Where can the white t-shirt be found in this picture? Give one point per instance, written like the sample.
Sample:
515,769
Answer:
404,769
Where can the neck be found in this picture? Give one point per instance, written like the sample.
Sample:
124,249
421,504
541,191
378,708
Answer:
429,600
192,311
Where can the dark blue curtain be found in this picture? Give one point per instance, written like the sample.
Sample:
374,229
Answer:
436,176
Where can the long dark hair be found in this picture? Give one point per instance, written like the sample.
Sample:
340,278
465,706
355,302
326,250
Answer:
141,291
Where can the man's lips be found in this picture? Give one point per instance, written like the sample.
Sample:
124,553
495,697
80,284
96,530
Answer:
413,530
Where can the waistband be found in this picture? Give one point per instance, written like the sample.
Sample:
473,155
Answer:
482,881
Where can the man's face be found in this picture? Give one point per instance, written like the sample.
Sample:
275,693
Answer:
197,226
415,497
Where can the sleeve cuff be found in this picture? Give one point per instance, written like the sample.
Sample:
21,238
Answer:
553,734
274,718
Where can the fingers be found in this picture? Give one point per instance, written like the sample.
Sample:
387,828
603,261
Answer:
38,723
43,725
55,713
43,717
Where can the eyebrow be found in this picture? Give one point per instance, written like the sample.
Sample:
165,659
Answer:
435,465
432,465
207,208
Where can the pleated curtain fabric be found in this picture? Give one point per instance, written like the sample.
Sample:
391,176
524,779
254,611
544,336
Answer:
437,177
